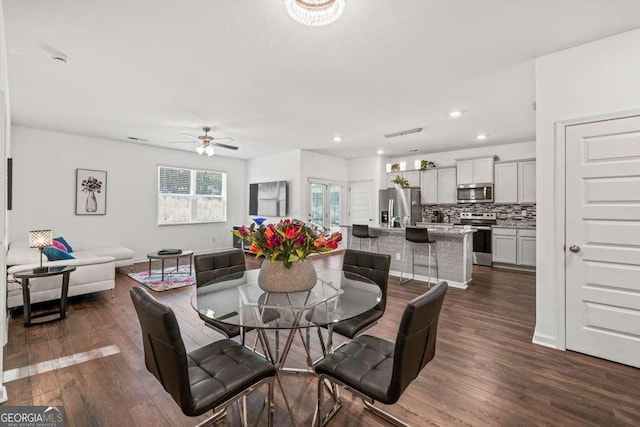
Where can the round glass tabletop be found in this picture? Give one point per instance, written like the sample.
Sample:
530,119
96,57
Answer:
237,300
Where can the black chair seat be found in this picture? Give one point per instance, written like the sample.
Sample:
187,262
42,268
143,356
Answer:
349,328
222,369
229,330
366,363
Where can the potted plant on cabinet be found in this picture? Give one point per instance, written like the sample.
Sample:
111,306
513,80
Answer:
400,181
426,164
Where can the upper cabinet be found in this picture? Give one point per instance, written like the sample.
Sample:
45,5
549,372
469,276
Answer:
475,171
413,177
429,187
515,182
447,186
438,186
465,172
527,182
506,185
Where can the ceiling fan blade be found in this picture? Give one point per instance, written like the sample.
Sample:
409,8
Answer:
230,147
191,136
182,142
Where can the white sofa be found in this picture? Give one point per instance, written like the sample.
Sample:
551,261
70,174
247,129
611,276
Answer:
95,271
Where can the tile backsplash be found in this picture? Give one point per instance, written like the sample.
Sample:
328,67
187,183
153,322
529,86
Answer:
506,213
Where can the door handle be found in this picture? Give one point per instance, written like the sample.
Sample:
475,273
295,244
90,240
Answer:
574,248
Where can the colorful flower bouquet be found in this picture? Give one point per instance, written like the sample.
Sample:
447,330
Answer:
288,241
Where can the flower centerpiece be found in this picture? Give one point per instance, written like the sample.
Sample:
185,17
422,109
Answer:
286,246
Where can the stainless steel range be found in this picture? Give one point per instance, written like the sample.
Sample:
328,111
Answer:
482,241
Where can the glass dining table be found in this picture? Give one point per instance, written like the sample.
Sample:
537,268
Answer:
237,300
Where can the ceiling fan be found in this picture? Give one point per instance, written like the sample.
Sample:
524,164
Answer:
207,142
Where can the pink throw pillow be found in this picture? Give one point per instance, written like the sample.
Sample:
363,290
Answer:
59,245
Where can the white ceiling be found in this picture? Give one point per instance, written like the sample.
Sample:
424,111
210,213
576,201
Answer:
153,69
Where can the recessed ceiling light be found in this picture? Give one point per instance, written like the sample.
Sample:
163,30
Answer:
481,136
337,138
455,114
380,151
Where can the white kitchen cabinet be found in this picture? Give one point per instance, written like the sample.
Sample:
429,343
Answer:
527,251
506,185
429,187
515,182
505,246
527,182
475,171
483,170
514,246
465,172
447,186
413,177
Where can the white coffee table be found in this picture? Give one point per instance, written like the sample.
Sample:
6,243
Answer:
155,255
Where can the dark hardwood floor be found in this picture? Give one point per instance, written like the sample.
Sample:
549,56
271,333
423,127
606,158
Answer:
486,370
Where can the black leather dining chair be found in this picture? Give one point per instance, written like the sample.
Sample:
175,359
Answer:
208,378
213,265
378,370
372,266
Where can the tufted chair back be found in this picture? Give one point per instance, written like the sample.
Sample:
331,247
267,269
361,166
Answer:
217,264
370,265
416,339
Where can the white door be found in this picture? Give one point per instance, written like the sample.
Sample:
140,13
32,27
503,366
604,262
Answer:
447,189
603,239
429,187
361,202
506,186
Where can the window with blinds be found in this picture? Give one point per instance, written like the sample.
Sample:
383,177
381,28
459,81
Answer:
189,196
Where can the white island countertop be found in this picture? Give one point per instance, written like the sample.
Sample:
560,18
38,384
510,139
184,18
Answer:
435,230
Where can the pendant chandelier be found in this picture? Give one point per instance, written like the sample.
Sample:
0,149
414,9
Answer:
315,12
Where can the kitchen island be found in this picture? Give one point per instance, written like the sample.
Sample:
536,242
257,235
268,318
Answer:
455,247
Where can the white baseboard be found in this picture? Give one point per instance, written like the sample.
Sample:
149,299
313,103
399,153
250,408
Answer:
452,283
545,340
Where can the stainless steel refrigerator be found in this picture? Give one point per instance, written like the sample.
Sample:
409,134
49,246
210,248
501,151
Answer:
401,204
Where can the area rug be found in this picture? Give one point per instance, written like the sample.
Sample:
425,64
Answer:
172,279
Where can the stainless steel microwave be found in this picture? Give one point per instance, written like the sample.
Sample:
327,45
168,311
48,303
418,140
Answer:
475,193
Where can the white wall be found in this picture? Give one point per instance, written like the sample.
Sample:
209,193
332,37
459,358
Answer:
44,192
5,126
279,167
515,151
592,79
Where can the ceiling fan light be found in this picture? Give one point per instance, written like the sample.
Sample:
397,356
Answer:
315,12
200,149
210,151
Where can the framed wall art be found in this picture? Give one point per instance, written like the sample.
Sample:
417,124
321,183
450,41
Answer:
91,192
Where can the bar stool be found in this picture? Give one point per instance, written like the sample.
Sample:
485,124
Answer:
361,231
415,235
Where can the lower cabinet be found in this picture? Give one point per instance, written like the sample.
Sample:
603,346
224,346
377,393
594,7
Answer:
514,246
505,245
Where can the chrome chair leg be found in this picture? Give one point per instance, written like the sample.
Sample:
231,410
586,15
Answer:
413,267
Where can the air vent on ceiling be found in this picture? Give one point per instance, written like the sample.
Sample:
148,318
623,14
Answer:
133,138
403,132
